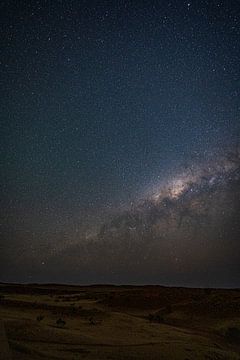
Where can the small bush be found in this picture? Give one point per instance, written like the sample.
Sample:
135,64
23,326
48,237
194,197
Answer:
60,322
233,334
72,311
207,291
92,321
40,317
157,318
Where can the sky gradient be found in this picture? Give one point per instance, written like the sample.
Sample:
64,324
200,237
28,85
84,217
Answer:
104,105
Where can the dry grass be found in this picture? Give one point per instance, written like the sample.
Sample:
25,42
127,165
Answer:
107,322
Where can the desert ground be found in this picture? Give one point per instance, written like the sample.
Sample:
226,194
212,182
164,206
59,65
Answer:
119,322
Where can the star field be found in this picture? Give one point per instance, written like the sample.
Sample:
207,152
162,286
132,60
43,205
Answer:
103,105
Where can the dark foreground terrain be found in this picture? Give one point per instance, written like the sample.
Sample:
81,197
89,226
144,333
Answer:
126,322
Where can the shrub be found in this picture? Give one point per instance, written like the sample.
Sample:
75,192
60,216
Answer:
92,321
158,318
40,317
233,334
60,322
207,291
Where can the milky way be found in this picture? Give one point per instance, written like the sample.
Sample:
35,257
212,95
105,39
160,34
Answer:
187,232
189,229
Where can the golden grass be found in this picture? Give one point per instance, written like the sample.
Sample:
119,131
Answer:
114,323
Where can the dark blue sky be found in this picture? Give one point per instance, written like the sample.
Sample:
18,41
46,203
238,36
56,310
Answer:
100,99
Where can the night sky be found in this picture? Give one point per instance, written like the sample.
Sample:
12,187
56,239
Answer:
120,156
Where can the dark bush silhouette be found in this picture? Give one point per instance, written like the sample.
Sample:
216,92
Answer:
233,334
207,291
40,317
92,321
60,323
157,318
